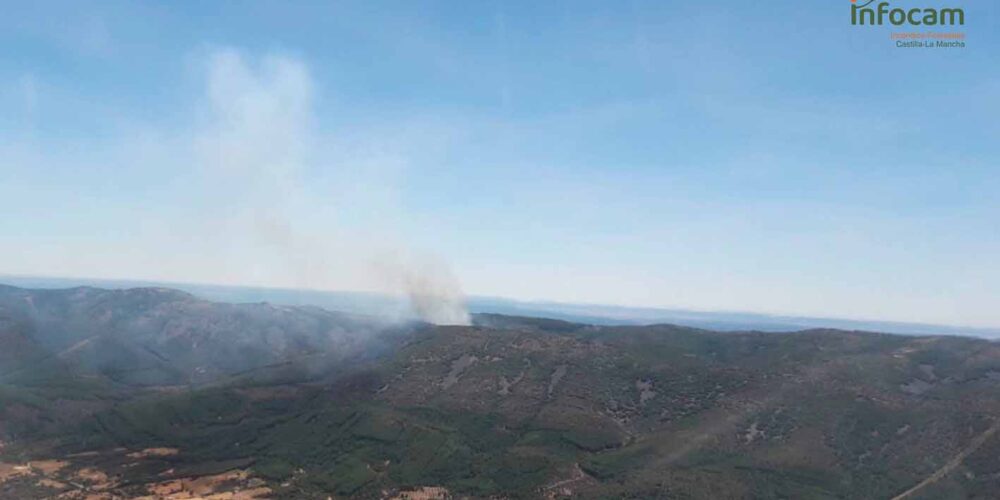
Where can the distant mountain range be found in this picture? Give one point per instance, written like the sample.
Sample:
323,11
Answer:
394,307
154,336
157,393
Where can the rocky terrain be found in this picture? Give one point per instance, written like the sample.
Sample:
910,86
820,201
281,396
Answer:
154,393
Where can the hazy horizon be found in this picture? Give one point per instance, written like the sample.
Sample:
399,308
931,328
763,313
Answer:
397,307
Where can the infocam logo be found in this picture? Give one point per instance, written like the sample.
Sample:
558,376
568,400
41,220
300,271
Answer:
876,16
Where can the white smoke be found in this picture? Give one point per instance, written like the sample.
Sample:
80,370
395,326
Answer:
432,290
259,144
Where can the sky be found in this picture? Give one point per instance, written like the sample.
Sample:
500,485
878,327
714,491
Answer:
718,156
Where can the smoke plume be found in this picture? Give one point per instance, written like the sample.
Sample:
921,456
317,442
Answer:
431,289
284,193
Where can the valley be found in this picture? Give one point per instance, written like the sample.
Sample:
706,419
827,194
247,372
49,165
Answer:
152,393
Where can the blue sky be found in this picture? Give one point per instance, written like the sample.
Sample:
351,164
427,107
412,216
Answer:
729,155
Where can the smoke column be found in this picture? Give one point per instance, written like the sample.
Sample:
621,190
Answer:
258,144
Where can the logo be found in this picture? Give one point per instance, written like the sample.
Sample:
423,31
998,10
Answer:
866,15
921,24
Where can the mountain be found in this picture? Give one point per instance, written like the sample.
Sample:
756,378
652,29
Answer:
158,336
511,407
374,304
66,353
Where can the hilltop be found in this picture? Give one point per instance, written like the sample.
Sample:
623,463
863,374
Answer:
515,407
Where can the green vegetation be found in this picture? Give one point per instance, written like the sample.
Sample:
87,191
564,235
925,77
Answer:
601,412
